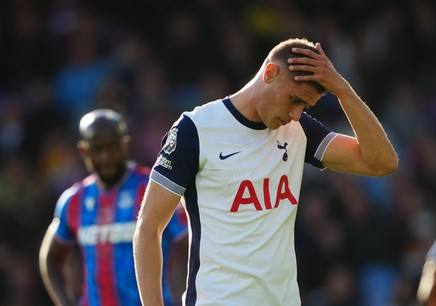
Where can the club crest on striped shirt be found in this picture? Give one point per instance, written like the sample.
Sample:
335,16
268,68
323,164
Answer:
89,203
126,200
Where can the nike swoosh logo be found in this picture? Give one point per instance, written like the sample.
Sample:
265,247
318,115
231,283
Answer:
222,157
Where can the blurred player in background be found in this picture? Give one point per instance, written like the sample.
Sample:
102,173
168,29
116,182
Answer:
238,163
427,285
98,215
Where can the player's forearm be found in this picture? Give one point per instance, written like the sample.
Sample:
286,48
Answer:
54,281
148,266
52,272
374,144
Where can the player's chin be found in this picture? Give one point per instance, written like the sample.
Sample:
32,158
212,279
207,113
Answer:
110,180
107,171
108,174
274,125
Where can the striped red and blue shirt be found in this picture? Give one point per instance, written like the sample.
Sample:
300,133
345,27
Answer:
102,222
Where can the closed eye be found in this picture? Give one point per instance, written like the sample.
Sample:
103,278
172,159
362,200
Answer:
298,101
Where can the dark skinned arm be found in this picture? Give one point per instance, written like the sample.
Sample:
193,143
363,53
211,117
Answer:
53,262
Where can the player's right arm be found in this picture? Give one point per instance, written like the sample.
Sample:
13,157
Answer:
52,257
157,208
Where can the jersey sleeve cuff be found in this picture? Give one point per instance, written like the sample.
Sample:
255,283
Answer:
166,183
319,154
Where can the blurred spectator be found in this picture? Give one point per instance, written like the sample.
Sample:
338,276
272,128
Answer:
40,118
29,47
77,83
339,289
11,125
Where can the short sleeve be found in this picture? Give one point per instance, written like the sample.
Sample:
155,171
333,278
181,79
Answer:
177,163
318,138
64,231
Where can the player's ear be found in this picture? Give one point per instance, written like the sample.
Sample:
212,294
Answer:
126,140
82,146
270,73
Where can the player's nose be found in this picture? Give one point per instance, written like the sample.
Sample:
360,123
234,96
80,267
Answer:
295,114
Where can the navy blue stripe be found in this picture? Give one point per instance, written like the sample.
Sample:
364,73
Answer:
315,133
238,116
191,199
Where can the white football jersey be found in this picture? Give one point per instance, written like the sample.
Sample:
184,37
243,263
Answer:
241,184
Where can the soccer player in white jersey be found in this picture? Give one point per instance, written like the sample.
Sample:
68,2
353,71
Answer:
238,164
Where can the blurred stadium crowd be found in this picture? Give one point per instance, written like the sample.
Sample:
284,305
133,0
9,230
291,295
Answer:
360,241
